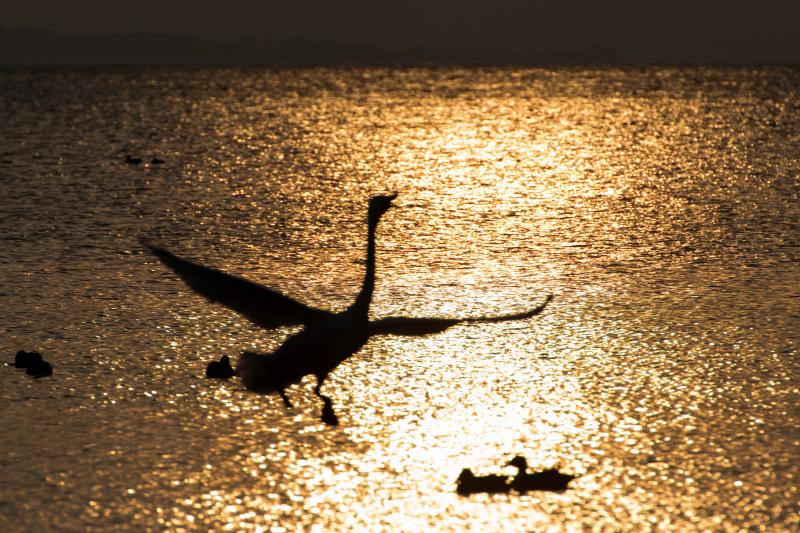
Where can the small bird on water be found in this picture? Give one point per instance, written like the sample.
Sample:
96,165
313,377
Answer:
24,359
221,369
546,480
33,363
468,483
550,479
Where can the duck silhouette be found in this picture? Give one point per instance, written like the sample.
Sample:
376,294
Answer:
550,479
25,359
327,338
39,369
133,160
33,363
468,483
221,369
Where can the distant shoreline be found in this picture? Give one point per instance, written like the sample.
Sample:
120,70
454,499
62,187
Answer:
29,48
399,66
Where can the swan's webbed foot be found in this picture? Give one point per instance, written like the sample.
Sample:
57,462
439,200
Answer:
328,416
285,398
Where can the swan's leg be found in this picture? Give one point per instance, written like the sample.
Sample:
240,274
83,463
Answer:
320,379
328,415
285,398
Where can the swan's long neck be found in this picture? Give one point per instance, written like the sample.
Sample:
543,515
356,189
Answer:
364,298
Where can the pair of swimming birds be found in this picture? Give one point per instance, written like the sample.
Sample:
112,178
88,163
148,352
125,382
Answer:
549,479
327,339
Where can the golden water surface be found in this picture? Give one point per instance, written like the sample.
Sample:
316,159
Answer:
661,207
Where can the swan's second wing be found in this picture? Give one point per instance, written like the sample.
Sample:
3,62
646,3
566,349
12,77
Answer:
417,327
262,306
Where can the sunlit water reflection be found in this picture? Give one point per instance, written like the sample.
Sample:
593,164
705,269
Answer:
662,207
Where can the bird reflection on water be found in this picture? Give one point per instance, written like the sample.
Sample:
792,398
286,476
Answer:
328,338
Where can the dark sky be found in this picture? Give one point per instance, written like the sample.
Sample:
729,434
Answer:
678,30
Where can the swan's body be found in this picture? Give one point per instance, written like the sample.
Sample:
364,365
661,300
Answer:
316,350
328,338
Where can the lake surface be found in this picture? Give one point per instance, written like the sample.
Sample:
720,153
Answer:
661,207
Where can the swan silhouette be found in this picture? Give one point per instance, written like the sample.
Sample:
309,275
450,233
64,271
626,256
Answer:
327,339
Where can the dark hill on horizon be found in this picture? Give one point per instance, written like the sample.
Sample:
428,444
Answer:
43,47
37,47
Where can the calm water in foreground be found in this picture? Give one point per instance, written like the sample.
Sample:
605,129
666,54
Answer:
661,207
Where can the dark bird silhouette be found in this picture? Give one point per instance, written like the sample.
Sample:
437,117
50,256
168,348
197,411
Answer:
468,483
156,161
39,369
328,338
133,160
33,363
221,369
25,359
550,479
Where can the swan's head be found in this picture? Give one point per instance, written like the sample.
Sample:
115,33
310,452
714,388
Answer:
378,205
519,462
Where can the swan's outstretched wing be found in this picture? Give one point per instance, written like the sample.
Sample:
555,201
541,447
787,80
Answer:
262,306
400,325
